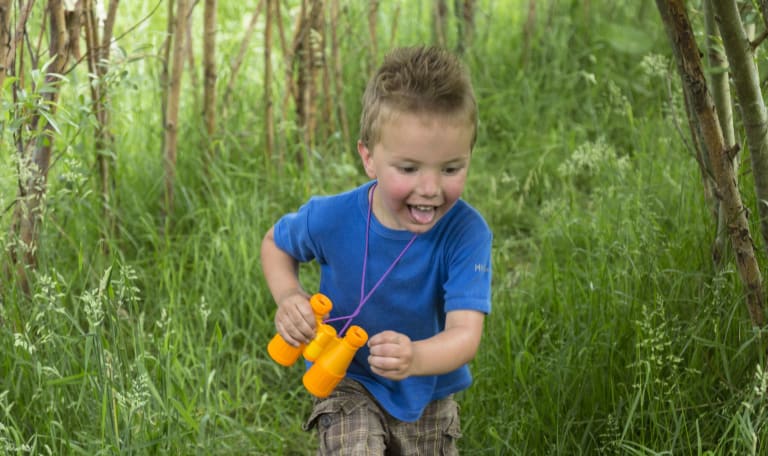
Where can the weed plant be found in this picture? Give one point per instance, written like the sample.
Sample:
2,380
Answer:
611,332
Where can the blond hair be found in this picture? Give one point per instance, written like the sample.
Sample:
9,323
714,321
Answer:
418,80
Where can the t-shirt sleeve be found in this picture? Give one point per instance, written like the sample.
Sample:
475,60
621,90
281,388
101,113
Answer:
468,285
293,235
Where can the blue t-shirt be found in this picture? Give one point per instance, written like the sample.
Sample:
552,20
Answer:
447,268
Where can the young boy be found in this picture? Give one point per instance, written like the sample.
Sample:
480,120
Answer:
401,256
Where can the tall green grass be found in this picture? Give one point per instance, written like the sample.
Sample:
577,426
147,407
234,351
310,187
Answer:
611,332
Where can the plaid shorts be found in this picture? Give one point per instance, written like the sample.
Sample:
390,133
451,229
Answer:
351,422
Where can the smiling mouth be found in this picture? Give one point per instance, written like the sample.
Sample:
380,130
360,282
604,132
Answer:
422,214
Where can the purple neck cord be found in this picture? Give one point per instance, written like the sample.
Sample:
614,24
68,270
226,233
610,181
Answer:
364,297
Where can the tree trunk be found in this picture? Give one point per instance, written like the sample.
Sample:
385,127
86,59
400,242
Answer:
166,62
172,113
303,60
73,18
327,74
287,50
10,56
689,65
338,71
98,56
314,59
439,22
269,124
528,30
234,68
35,154
209,70
394,21
465,12
721,93
290,56
753,112
5,38
373,43
189,53
764,13
306,80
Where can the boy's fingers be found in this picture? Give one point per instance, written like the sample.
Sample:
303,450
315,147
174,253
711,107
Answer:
305,319
294,324
385,337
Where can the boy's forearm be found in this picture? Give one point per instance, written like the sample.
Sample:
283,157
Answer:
451,348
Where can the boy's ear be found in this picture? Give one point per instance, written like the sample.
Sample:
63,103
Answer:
367,157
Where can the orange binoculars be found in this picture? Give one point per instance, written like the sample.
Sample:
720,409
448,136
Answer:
330,354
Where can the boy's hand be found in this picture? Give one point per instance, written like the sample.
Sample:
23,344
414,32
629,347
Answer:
294,319
391,355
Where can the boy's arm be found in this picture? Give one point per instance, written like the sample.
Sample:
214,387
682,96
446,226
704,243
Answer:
294,319
395,356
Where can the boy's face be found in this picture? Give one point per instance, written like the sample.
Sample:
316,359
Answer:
421,163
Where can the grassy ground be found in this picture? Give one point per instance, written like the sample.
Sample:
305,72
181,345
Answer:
611,332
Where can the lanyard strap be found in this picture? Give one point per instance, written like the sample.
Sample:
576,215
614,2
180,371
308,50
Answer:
363,296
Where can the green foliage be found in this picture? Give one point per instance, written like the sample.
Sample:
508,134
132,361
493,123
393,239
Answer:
611,332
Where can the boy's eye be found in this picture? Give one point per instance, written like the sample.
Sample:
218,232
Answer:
407,169
450,170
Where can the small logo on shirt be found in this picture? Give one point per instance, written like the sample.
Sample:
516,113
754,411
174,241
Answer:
481,268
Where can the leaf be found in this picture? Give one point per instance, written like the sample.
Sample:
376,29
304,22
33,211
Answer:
9,81
50,120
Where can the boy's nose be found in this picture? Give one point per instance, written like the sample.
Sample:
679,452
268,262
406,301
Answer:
429,184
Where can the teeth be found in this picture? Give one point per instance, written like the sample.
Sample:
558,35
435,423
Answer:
423,208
